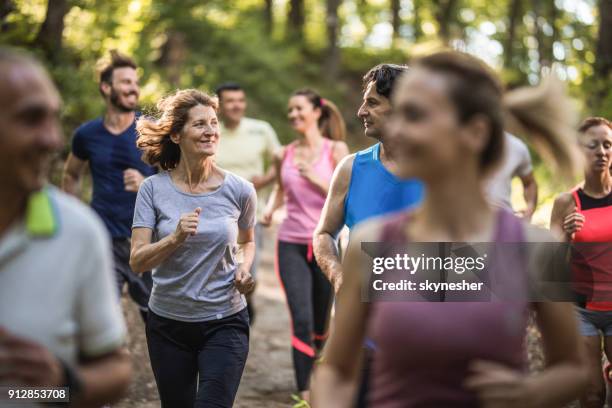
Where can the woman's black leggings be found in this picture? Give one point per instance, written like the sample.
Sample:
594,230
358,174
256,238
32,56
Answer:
198,364
309,296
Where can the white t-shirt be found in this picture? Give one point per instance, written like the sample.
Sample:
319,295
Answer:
57,289
516,162
243,151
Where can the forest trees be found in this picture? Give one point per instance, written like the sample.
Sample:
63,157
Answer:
274,46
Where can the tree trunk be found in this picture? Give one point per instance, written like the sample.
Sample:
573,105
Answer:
6,8
539,34
445,10
332,61
269,16
295,20
554,13
49,38
514,13
173,55
603,64
395,18
416,22
545,43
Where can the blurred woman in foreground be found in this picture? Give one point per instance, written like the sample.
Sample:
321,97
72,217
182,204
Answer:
448,129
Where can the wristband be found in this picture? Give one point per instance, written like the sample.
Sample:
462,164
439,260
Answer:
72,380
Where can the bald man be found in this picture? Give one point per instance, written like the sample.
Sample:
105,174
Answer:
60,323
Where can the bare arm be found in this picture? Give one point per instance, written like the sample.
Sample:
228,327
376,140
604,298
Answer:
339,151
273,147
71,177
246,240
564,206
321,184
145,256
331,223
277,198
530,193
563,380
263,181
565,376
335,380
105,379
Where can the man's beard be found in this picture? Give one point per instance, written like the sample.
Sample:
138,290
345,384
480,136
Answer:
114,99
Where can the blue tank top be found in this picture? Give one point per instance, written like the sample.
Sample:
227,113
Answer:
376,191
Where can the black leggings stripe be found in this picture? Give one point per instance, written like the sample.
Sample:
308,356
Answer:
309,297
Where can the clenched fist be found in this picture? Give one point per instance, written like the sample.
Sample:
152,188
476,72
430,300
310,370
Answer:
187,225
132,179
573,223
28,363
244,282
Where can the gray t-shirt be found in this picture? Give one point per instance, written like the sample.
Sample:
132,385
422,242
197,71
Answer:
516,161
195,283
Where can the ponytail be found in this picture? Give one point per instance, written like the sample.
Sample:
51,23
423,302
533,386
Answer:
549,117
545,113
331,122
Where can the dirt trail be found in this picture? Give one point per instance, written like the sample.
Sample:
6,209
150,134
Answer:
268,379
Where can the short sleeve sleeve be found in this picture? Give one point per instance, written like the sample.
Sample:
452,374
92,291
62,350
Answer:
79,145
272,143
99,317
248,203
144,210
524,166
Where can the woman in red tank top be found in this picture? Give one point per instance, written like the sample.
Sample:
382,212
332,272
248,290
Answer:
447,131
584,217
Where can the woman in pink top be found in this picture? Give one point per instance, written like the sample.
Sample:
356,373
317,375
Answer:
433,349
304,172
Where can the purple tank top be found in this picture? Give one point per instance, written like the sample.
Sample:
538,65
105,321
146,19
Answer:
423,349
303,200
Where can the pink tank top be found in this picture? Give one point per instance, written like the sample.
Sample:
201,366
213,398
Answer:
304,201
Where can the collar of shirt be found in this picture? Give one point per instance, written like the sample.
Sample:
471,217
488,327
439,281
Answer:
41,221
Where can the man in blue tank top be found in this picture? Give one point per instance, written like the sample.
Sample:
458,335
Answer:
364,185
108,145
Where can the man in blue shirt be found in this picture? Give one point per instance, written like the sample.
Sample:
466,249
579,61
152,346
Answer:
108,144
364,185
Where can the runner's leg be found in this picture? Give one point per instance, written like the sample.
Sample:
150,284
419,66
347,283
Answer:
296,279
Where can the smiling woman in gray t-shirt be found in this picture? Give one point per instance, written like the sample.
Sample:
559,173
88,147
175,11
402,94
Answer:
189,221
195,283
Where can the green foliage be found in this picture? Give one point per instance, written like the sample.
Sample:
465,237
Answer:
194,43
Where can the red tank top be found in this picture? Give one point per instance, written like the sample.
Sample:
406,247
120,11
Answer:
591,252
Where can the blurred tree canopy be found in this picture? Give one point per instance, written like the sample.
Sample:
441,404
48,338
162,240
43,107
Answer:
273,47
